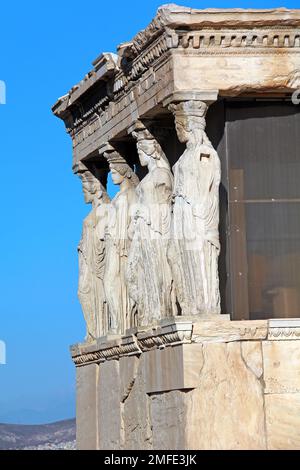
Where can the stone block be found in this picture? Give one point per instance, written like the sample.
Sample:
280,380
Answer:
283,421
224,331
136,423
226,411
173,368
281,366
128,371
86,407
109,408
168,417
252,356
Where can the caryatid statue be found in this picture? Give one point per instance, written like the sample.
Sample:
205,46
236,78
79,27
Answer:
148,274
194,246
120,306
91,252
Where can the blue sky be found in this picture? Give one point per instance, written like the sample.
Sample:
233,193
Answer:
47,47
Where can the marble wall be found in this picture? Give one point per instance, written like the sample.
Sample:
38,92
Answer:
239,389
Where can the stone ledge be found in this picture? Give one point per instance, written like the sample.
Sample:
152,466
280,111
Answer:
221,331
104,349
284,329
168,332
184,330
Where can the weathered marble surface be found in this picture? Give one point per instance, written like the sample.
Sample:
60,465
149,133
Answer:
186,391
86,407
220,331
209,384
120,305
182,54
282,420
109,413
168,415
148,274
92,253
234,51
226,410
281,375
137,423
174,368
194,245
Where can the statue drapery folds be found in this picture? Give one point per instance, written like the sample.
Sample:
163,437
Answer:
194,245
152,252
148,273
91,251
120,305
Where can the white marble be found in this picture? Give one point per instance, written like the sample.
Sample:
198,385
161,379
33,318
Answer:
148,274
120,306
194,246
91,252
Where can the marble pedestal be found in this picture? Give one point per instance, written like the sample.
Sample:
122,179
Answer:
209,384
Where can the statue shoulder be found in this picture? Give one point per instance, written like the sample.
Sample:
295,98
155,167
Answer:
162,176
207,149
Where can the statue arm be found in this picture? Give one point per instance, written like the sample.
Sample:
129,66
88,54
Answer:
164,178
161,217
100,258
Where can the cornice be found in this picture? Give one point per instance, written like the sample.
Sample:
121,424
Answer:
194,43
184,330
210,31
174,17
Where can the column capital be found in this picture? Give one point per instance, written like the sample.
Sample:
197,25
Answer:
207,96
79,167
106,148
137,126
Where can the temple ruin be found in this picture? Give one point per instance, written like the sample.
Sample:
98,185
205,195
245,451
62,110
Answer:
189,277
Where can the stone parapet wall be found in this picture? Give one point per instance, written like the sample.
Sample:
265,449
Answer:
210,384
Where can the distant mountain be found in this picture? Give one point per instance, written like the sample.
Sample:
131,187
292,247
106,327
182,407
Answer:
46,412
59,435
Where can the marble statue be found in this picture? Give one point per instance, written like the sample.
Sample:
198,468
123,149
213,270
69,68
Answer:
91,251
148,273
194,246
121,307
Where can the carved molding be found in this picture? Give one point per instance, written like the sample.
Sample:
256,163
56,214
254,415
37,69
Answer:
284,333
173,18
282,330
174,30
98,351
173,332
132,344
274,39
129,346
141,74
210,42
163,337
124,82
104,350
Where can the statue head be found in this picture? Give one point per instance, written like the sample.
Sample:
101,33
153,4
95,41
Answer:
92,185
148,147
189,119
120,170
